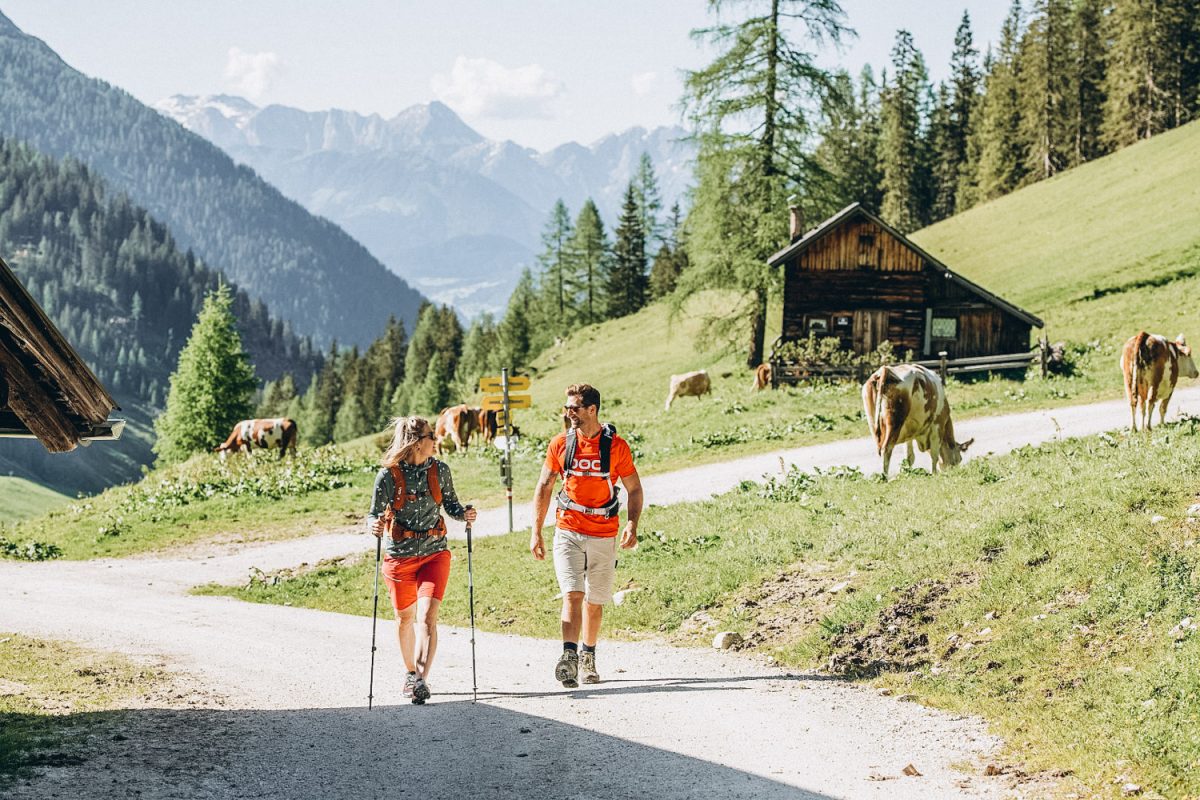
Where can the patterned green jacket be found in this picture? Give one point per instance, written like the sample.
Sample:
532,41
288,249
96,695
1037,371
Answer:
417,515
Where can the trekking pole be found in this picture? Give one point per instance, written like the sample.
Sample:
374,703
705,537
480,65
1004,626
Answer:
471,603
375,616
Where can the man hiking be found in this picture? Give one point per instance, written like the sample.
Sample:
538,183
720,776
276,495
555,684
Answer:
591,459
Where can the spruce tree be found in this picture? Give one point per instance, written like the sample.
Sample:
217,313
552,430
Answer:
847,155
749,112
1045,89
433,394
902,147
649,201
481,355
589,263
672,258
351,421
1090,57
211,389
555,291
1003,153
437,333
627,280
516,336
954,158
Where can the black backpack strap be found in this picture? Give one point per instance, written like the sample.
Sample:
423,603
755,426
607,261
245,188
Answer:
606,440
569,452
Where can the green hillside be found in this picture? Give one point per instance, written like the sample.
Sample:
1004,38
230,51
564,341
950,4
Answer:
20,499
1068,248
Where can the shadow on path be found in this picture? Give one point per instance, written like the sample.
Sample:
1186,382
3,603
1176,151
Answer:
449,749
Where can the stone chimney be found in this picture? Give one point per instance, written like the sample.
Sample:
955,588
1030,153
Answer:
796,217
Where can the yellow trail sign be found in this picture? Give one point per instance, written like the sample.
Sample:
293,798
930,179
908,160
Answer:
496,401
516,383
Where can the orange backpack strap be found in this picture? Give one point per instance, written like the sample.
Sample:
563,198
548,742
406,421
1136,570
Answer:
400,498
435,483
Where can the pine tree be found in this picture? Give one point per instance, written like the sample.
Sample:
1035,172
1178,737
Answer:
1045,89
902,149
277,396
433,394
1090,59
515,329
1003,153
589,263
649,201
627,280
481,355
554,281
672,258
351,421
748,109
437,333
212,387
327,399
953,157
848,153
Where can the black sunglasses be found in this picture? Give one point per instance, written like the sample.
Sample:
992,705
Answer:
428,436
573,408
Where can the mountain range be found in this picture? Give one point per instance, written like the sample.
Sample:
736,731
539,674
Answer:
307,269
456,213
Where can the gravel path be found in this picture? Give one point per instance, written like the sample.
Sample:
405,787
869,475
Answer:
667,722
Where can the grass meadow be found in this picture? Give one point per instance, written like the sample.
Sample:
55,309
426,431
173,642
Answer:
22,499
1049,590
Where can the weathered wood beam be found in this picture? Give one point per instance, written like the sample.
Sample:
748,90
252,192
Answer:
34,406
33,332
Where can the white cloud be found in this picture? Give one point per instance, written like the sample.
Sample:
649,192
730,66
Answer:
252,74
643,83
481,88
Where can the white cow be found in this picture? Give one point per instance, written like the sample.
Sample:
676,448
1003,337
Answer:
690,384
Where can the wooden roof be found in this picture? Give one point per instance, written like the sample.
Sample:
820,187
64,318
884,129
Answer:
46,390
856,209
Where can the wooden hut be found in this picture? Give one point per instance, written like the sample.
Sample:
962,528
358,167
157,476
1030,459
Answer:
857,278
46,390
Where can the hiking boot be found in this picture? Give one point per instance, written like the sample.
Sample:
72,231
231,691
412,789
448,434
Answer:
587,668
410,683
420,692
567,669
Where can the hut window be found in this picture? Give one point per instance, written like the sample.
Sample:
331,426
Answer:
943,328
866,240
816,325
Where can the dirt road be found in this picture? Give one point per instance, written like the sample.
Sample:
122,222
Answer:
666,722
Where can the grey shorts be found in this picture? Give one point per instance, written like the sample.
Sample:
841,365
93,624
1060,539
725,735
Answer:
585,564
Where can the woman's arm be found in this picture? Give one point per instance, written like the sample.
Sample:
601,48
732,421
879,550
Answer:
381,501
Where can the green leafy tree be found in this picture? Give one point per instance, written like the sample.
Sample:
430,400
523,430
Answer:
212,387
749,109
627,280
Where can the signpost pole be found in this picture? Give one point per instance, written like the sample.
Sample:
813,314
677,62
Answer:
507,447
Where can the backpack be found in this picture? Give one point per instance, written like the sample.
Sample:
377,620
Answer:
613,506
402,497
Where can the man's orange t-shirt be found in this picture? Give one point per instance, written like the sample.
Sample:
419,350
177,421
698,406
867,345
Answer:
585,490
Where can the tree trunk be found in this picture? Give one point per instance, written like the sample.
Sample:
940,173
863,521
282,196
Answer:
758,328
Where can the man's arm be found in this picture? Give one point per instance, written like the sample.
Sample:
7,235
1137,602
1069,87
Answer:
541,506
633,485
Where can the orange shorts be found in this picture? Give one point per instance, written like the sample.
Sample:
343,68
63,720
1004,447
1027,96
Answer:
419,576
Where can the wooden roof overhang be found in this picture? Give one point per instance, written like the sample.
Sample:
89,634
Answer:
46,390
856,209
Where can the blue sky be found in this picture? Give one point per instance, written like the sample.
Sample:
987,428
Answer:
539,72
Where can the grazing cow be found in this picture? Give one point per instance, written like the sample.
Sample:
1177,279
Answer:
456,423
690,384
762,377
907,403
488,424
1151,366
267,433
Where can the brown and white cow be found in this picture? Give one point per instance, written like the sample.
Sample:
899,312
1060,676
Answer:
488,424
265,433
690,384
456,424
1151,365
762,377
905,404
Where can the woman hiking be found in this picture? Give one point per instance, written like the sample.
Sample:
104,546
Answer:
411,489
